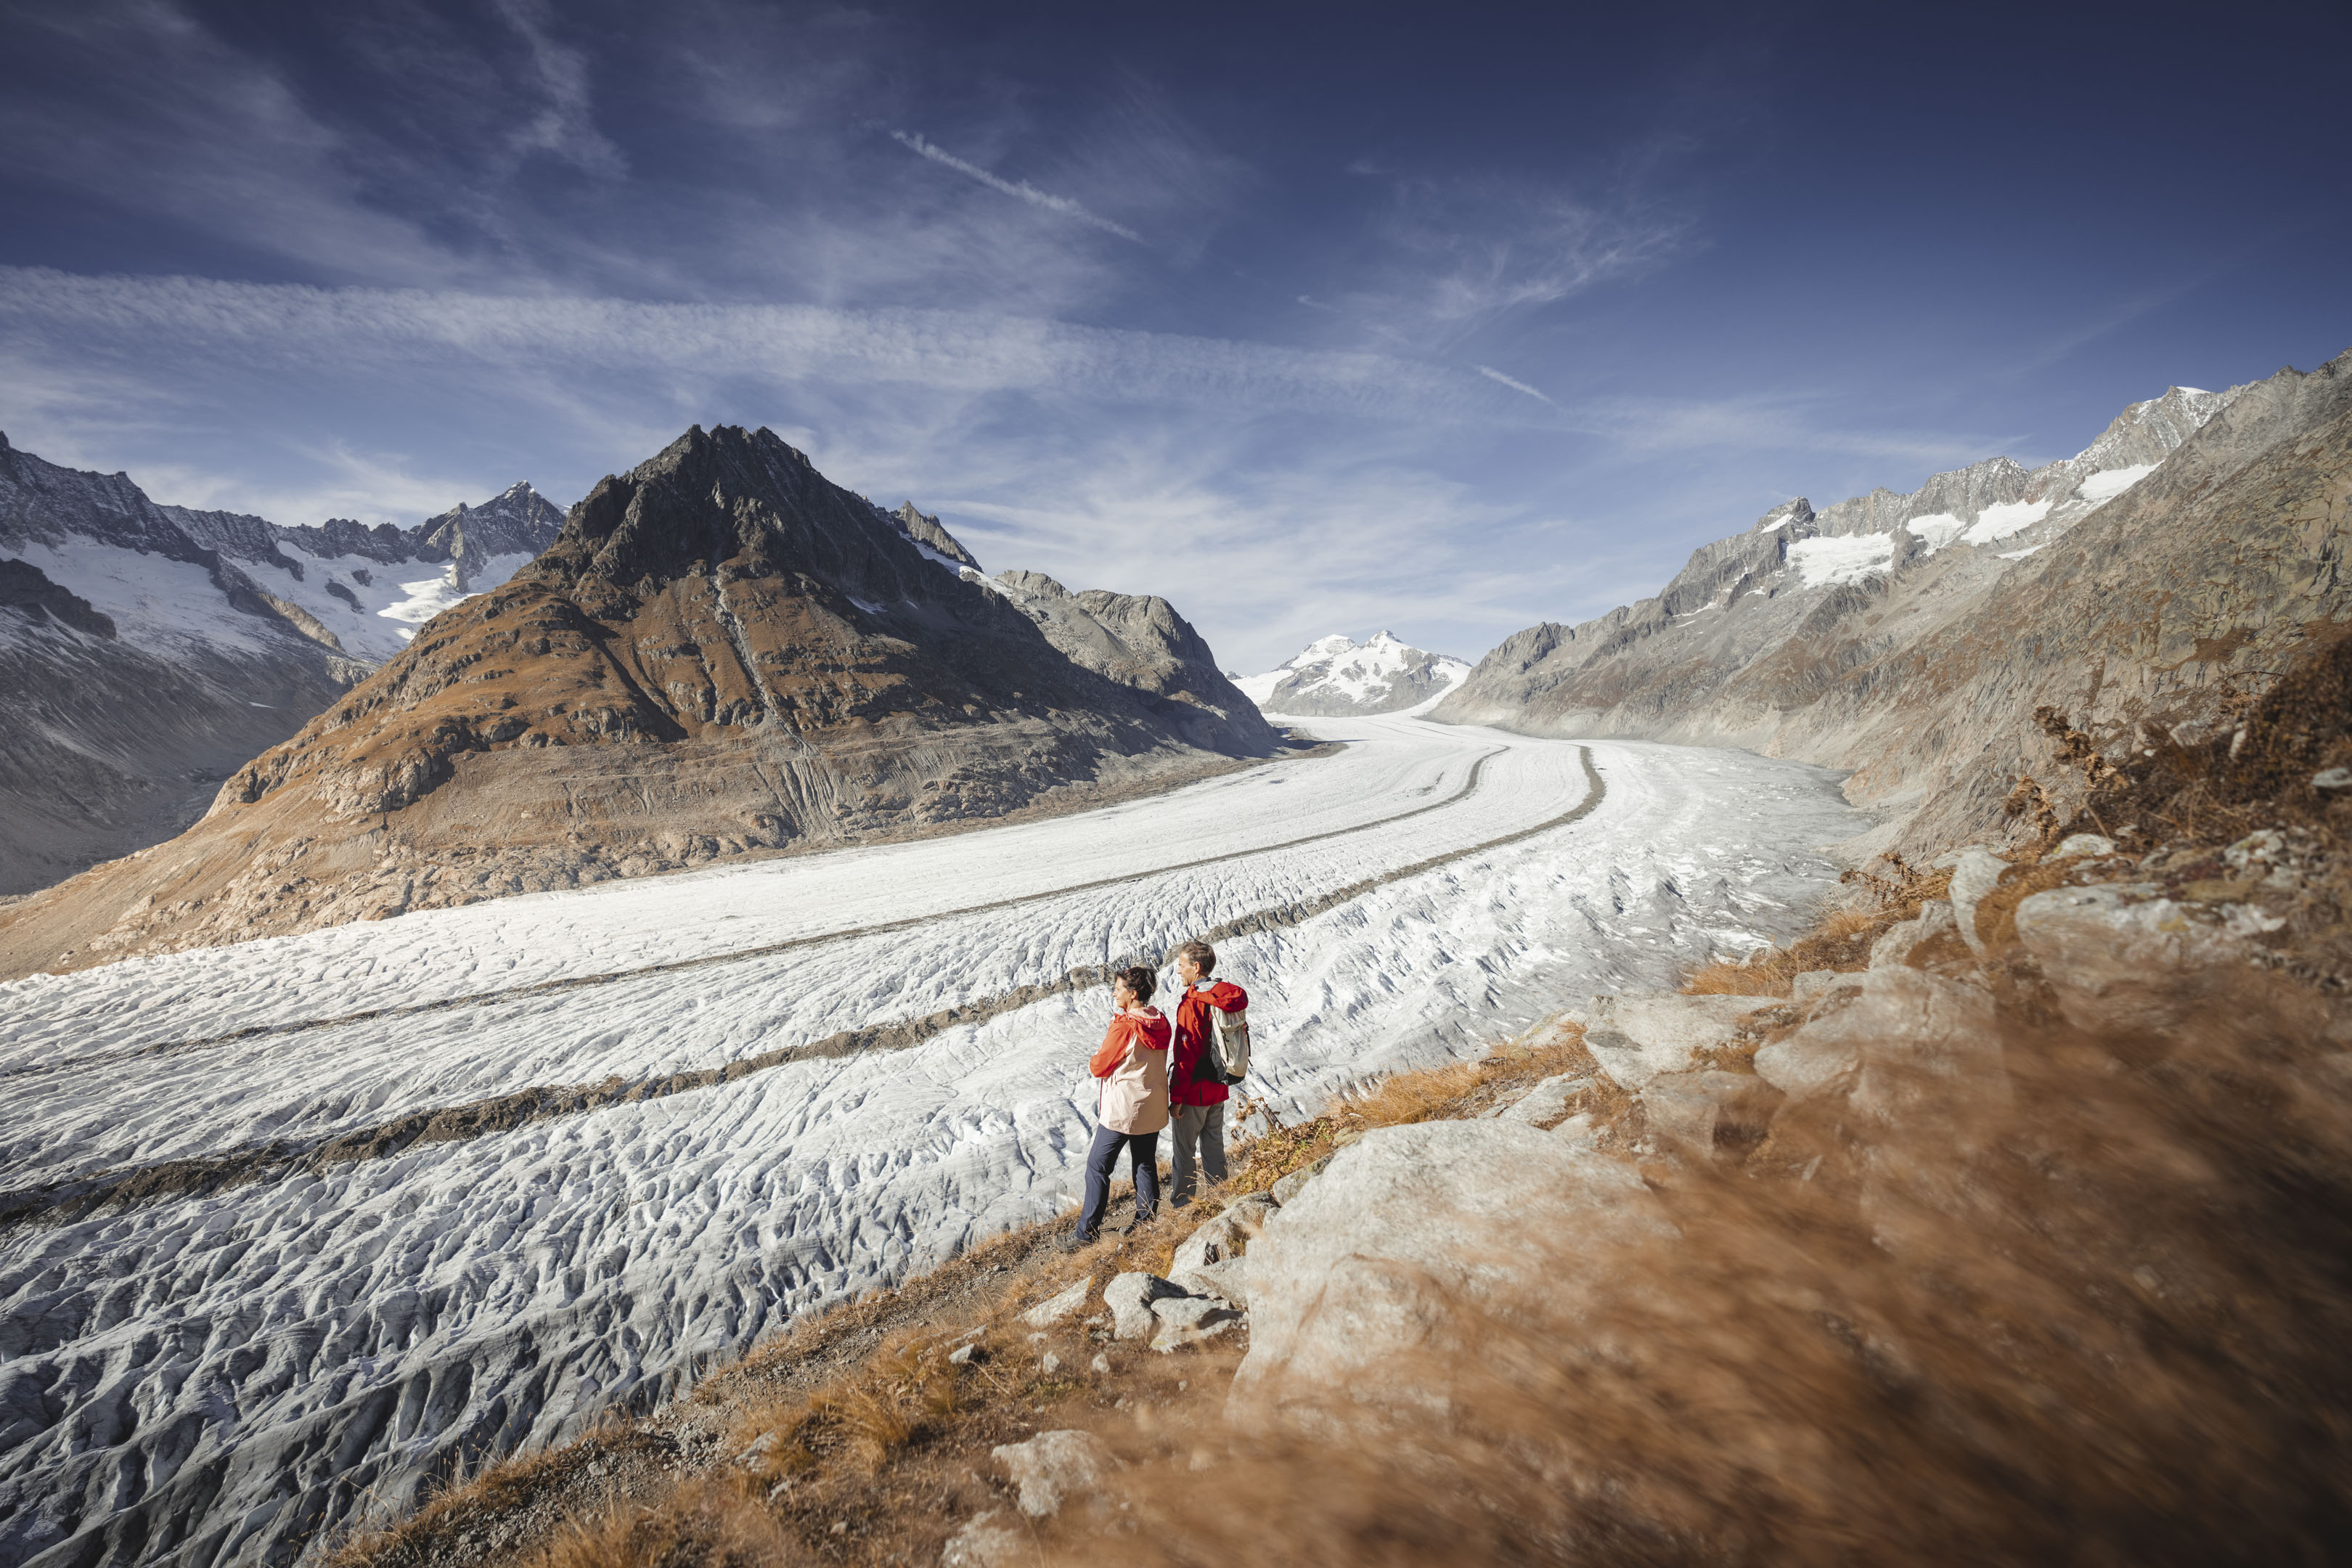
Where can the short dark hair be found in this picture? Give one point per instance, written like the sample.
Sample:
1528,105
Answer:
1202,953
1139,980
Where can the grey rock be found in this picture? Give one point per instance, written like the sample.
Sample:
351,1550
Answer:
1289,1186
1054,1470
1692,1111
990,1539
1228,1281
1226,1234
1050,1364
1974,875
1905,1020
1579,1131
1896,944
2083,844
2122,955
1141,642
1045,1314
1414,1222
1546,1102
1635,1037
1815,984
1129,1297
965,1355
1184,1321
2332,779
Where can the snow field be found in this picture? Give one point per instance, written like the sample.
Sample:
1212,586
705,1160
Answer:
253,1360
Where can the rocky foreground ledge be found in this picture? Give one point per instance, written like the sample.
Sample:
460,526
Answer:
2016,1236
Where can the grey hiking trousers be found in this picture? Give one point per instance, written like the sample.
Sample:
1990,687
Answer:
1199,1133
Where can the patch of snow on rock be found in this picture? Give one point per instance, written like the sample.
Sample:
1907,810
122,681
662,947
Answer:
1829,559
2003,519
1937,528
2107,485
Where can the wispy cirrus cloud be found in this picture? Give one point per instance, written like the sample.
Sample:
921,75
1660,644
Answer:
1020,190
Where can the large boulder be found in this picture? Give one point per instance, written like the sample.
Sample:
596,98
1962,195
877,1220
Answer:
1410,1235
1903,1019
2122,955
1634,1039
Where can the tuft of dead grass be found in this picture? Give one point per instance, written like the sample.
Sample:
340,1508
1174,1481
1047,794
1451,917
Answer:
708,1523
1892,890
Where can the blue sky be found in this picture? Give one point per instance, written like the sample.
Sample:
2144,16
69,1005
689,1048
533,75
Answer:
1311,317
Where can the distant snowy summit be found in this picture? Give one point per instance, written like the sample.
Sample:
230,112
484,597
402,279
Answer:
148,651
367,590
1338,676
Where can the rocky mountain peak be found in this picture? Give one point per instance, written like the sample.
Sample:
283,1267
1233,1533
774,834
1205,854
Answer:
933,540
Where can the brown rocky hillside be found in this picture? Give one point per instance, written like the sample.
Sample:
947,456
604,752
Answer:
722,653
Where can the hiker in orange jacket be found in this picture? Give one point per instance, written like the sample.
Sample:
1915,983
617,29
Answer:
1194,1088
1132,1103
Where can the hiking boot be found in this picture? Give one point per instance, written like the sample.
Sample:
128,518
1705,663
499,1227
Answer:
1080,1240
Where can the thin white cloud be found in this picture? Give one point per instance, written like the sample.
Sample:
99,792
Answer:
1491,373
295,329
564,125
1020,189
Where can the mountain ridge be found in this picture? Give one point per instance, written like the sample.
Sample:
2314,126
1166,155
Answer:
1870,649
721,653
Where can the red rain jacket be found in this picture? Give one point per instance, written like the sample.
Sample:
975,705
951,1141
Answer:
1192,1034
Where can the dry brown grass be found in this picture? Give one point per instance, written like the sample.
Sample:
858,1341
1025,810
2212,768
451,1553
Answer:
1842,941
2102,1316
1464,1088
707,1522
465,1501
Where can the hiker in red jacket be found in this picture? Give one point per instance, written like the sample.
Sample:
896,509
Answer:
1132,1102
1194,1088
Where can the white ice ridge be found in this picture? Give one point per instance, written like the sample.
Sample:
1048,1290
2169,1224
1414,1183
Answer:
260,1356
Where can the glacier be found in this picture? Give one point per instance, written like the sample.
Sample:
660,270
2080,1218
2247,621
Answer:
216,1376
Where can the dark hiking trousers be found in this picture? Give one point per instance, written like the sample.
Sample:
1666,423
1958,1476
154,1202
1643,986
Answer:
1143,1153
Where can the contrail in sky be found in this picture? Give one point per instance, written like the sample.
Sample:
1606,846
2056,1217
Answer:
1021,189
1491,373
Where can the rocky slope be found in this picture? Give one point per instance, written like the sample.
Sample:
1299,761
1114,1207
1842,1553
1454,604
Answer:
721,653
1139,640
148,651
139,666
2145,584
1336,677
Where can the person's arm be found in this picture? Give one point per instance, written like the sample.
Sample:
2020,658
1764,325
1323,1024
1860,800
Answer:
1112,1051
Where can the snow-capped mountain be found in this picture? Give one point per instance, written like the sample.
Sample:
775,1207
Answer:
368,589
1910,637
722,654
1336,677
148,651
